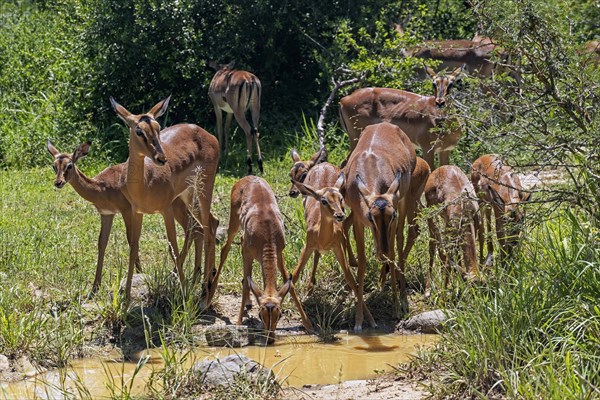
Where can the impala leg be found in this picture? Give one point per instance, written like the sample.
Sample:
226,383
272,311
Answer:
105,228
169,219
400,282
227,130
240,117
219,116
429,156
127,220
489,238
469,253
304,256
359,237
351,282
500,234
433,235
313,280
232,230
245,287
308,327
445,157
255,111
134,248
347,225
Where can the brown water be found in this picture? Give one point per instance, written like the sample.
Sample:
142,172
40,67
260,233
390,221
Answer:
298,360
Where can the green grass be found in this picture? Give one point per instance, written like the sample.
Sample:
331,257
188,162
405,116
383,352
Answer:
529,331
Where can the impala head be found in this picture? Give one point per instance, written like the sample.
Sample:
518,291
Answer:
442,84
144,130
330,198
270,306
381,213
64,164
221,67
300,168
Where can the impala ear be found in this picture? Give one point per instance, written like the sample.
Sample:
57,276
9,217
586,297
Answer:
120,110
458,71
53,150
525,196
284,289
340,181
255,289
81,151
320,156
395,184
430,72
213,64
160,108
496,196
230,65
306,189
295,156
362,189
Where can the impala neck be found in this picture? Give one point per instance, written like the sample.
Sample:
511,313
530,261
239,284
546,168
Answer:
87,188
269,268
328,224
135,172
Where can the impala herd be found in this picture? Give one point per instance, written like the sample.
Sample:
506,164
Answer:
381,181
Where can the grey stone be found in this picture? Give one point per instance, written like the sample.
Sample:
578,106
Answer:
224,371
4,363
227,336
427,322
139,287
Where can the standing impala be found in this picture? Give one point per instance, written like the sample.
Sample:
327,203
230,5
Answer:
324,214
234,92
500,189
254,210
378,177
104,192
423,118
178,153
450,188
410,204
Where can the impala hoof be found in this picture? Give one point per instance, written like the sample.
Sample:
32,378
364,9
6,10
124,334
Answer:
357,328
249,163
260,166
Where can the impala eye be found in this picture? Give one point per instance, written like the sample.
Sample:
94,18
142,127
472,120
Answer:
54,167
69,166
395,215
139,132
324,201
302,177
370,217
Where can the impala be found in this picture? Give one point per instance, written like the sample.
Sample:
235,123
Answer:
254,209
104,192
411,203
500,189
157,172
324,213
378,178
234,92
449,188
475,55
421,117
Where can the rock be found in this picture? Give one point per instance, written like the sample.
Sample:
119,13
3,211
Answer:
227,336
221,234
4,363
139,287
223,371
427,322
25,367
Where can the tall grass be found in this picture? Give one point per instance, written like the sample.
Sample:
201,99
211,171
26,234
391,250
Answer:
533,331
